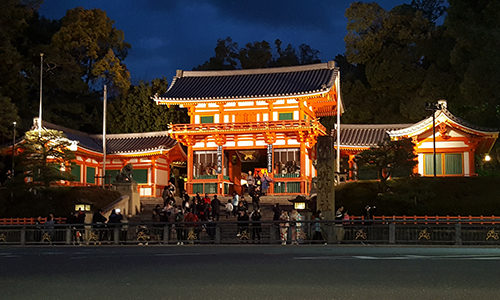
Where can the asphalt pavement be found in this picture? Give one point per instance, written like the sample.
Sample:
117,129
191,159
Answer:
249,272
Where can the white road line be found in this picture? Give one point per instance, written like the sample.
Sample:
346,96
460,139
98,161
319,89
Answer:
180,254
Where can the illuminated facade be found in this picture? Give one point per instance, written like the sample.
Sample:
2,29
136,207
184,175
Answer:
262,120
458,142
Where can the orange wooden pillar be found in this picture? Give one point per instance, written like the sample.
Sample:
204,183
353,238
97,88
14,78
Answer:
303,184
352,165
189,184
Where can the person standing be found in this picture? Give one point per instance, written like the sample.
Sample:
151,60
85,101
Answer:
255,198
99,221
236,200
255,216
284,218
229,208
339,228
250,182
266,180
215,208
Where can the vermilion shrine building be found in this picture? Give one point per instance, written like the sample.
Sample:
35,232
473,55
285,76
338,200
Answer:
247,120
153,155
458,143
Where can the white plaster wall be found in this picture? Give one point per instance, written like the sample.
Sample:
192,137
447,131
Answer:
246,103
258,117
275,116
197,119
211,144
466,164
161,177
280,142
421,163
265,117
226,119
199,145
293,142
245,143
280,102
291,101
452,144
296,115
230,144
260,143
216,118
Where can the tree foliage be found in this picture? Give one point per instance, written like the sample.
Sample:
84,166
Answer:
46,156
228,56
390,156
138,113
96,46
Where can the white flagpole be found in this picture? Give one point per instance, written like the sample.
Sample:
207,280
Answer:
104,138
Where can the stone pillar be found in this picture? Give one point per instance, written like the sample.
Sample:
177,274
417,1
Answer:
134,202
325,182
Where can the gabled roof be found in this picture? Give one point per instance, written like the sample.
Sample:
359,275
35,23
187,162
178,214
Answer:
118,143
195,86
365,135
444,115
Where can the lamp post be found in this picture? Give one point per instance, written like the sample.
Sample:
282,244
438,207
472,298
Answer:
433,107
40,108
13,146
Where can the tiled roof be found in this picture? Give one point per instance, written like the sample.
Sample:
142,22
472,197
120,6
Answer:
255,83
138,142
445,112
365,135
118,143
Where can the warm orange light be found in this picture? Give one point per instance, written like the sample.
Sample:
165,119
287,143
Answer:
487,157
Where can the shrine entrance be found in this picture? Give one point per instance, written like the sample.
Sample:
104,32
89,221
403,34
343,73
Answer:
243,161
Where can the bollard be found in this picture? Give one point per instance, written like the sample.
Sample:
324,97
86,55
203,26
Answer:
392,233
116,235
217,234
23,236
165,234
458,234
272,233
68,235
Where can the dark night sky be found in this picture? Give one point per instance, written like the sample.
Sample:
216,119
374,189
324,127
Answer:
174,34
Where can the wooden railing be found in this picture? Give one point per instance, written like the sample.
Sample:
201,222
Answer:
288,125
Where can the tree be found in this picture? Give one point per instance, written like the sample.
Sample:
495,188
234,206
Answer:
228,56
388,157
8,115
124,112
400,59
475,28
256,55
46,156
97,47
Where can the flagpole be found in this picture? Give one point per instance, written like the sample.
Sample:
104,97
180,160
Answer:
104,137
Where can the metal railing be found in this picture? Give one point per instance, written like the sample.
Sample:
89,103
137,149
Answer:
265,232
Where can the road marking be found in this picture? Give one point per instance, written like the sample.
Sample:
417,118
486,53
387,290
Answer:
402,257
180,254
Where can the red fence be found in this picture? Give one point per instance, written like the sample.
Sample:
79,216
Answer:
433,219
28,221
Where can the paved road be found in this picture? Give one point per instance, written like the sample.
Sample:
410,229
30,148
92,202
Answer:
249,272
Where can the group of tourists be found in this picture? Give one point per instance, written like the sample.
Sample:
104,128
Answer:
258,183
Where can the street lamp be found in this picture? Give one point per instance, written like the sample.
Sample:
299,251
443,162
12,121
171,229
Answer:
433,107
487,158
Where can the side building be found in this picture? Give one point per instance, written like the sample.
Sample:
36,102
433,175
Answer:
259,120
154,157
458,143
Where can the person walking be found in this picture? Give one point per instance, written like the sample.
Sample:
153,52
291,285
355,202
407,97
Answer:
229,208
236,200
